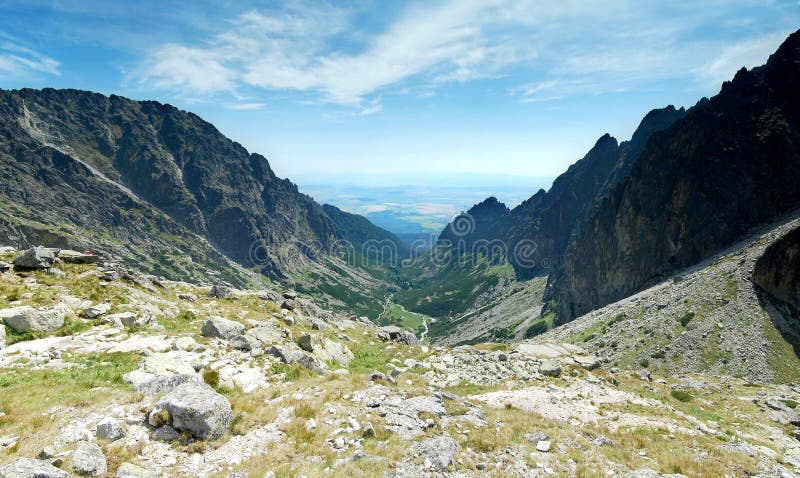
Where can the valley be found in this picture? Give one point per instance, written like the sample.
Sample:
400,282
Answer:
170,306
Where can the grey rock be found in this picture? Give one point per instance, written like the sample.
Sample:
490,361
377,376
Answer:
393,333
292,355
4,266
30,468
126,319
26,319
188,296
550,368
96,310
290,295
439,451
369,431
197,408
165,433
245,343
88,460
305,343
536,437
2,336
75,257
289,304
128,470
109,429
161,383
330,351
36,258
589,362
265,334
220,292
216,326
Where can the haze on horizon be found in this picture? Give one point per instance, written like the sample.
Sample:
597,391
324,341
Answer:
325,90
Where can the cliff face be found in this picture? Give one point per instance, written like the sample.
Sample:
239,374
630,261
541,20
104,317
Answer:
731,164
139,177
777,271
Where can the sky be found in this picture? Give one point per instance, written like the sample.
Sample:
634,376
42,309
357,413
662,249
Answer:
519,88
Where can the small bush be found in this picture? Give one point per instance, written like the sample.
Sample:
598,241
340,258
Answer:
681,396
658,355
211,377
790,403
644,363
686,318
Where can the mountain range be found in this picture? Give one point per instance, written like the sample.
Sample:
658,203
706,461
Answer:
164,189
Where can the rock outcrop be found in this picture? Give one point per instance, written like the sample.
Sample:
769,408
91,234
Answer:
196,408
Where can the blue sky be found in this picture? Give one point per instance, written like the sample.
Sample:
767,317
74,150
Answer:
388,87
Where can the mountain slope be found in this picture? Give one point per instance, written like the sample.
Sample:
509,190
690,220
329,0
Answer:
732,164
145,180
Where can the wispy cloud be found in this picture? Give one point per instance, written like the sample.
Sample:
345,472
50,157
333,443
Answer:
327,54
18,60
748,53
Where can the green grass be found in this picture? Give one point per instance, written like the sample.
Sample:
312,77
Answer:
368,357
396,314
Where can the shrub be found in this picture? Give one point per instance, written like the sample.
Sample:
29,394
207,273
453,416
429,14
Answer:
536,328
686,318
658,355
681,396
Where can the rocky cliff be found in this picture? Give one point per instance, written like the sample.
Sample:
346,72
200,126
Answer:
730,165
778,270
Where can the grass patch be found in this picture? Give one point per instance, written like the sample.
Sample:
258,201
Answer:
681,396
368,358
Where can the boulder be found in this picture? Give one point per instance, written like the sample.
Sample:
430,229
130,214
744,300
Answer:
589,362
30,468
109,429
220,292
96,310
196,408
396,334
216,326
4,266
2,336
188,296
128,470
244,343
128,319
88,460
330,351
36,258
266,335
437,452
550,368
27,319
293,355
165,433
305,343
75,257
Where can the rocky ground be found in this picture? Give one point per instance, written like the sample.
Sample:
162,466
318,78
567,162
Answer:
108,372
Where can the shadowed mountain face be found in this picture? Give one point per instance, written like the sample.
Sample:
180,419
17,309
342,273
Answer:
733,163
536,232
146,180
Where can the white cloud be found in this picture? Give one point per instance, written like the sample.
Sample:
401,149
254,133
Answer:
18,60
572,47
247,106
176,67
747,53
